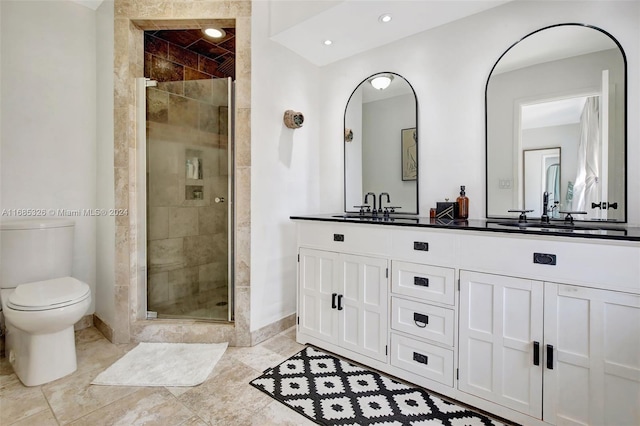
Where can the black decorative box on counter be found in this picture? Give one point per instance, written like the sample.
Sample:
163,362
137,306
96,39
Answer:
446,210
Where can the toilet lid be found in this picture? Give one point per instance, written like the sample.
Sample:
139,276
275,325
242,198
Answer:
49,294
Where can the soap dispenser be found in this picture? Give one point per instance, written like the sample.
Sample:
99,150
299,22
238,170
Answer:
463,204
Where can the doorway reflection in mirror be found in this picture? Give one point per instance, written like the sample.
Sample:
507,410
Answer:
535,97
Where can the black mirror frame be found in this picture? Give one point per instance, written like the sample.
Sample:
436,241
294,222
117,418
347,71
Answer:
486,122
344,153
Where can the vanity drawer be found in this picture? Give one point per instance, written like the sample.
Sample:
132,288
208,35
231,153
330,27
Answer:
429,361
360,239
419,246
422,320
427,282
577,261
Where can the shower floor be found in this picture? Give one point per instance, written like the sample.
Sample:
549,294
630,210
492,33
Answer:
206,305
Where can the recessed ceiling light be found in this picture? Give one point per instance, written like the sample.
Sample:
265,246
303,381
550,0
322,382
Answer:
327,42
214,32
384,18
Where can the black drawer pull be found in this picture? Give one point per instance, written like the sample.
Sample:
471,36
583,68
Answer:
536,353
420,246
340,302
333,300
421,320
338,237
544,258
421,281
550,357
422,359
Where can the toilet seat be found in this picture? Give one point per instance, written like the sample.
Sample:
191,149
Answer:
48,294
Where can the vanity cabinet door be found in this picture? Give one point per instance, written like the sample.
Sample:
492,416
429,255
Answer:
343,300
319,272
592,356
363,307
500,330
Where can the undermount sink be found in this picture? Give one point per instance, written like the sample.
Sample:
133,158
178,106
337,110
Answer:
550,226
377,218
353,216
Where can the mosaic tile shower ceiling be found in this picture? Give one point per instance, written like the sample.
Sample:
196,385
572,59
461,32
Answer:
174,55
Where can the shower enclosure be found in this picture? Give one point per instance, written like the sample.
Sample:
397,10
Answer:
188,166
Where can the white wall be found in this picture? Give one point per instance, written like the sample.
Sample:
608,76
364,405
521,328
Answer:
105,195
448,67
48,107
301,171
285,175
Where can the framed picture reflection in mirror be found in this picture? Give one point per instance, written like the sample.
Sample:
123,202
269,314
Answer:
409,154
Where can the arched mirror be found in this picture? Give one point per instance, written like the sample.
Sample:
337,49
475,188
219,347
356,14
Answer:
561,89
381,144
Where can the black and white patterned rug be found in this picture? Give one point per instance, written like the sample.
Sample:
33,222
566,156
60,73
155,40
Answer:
331,391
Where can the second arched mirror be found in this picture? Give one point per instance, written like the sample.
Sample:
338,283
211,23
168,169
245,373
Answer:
559,89
381,144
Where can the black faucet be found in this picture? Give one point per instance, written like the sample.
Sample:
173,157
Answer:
380,200
366,197
545,208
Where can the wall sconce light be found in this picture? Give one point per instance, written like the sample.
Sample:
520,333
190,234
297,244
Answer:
348,135
381,81
293,119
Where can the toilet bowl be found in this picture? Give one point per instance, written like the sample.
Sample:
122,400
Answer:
40,301
39,318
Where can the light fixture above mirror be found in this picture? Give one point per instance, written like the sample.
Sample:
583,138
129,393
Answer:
381,81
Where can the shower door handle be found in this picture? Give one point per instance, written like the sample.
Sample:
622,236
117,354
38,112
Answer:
219,199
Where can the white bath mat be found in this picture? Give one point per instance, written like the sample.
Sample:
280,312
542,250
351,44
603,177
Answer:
163,364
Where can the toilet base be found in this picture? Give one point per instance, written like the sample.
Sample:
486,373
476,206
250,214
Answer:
41,358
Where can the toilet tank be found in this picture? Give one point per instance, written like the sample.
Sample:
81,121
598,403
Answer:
35,250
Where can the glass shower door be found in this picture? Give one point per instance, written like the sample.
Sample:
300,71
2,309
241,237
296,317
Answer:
189,179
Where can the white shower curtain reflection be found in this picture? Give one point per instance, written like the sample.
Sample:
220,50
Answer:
586,188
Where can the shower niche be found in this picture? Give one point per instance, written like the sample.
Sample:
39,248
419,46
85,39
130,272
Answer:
194,175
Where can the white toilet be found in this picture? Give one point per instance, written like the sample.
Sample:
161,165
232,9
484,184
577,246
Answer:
40,301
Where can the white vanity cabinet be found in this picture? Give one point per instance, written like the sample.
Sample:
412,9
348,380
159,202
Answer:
537,329
342,296
564,354
592,356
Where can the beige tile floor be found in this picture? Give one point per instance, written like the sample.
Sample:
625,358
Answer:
225,398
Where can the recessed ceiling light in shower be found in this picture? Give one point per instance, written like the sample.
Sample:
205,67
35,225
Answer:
214,32
384,18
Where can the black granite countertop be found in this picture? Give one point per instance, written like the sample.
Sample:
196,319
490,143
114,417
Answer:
583,229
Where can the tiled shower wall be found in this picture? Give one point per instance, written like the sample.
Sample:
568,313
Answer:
131,18
187,120
187,233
